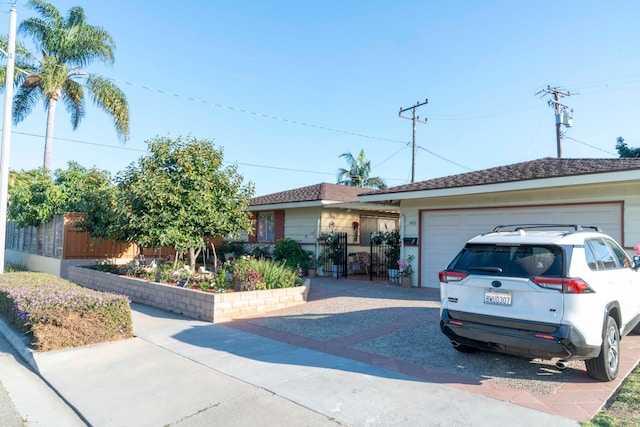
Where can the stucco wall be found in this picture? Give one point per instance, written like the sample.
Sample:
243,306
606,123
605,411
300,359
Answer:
35,262
53,266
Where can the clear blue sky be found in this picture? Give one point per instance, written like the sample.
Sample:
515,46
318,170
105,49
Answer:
285,87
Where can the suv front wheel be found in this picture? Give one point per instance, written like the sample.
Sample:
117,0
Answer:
605,366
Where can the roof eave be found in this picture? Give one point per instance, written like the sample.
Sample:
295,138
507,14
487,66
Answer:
562,181
333,204
286,205
377,207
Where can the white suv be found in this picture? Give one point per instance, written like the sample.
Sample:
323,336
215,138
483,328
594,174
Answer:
543,291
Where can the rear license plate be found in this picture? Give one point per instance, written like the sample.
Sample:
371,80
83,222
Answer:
498,298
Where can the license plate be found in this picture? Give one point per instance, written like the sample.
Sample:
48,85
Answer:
498,298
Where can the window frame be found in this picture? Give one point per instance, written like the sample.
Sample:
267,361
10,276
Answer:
268,218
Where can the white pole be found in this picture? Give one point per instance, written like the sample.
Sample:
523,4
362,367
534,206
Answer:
6,134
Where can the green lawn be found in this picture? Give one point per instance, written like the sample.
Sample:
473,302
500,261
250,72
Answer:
625,409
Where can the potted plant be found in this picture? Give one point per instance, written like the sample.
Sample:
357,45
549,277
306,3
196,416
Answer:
312,265
406,271
392,239
333,251
320,262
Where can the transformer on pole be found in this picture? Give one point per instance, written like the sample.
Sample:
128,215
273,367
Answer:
564,115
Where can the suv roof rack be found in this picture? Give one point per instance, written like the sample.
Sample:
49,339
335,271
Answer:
574,227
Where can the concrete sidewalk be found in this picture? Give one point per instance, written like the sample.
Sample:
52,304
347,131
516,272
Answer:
25,398
185,372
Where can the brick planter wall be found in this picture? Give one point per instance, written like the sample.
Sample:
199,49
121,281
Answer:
189,302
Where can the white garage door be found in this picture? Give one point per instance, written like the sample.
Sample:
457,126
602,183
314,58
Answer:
444,233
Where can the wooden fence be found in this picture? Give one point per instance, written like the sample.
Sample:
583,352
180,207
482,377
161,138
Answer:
61,239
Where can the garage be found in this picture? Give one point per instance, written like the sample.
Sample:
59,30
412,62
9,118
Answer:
444,232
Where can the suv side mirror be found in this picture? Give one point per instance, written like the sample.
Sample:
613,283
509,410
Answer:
636,262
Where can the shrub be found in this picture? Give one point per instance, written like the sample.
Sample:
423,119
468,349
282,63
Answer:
289,251
261,251
10,267
273,274
278,275
235,248
222,278
248,280
56,313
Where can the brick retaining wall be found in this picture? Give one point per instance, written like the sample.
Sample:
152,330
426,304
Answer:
206,306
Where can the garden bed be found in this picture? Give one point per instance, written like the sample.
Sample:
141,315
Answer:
55,313
210,307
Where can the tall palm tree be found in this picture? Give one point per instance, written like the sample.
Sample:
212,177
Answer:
358,173
67,46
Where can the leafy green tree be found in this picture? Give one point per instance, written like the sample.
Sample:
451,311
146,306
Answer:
624,150
33,197
82,187
90,191
180,193
67,46
358,174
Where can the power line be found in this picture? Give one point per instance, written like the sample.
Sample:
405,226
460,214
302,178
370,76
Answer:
591,146
443,158
117,147
254,113
226,162
272,117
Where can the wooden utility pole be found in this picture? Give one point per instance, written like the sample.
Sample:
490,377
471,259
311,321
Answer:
415,119
562,117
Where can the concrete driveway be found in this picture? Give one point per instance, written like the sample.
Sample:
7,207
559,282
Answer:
397,328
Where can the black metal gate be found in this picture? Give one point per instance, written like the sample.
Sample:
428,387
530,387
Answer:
384,253
335,255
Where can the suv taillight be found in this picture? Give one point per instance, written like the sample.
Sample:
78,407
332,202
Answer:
564,285
451,276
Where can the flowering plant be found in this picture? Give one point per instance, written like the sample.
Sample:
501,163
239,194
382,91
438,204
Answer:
329,238
405,266
332,248
377,237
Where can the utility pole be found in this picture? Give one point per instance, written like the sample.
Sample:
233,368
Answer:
415,119
6,133
562,115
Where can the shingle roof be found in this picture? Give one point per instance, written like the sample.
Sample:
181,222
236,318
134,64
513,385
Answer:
548,167
317,192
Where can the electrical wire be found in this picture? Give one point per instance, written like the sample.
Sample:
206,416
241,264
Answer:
511,108
590,146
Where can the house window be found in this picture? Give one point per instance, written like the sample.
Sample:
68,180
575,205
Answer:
266,227
370,224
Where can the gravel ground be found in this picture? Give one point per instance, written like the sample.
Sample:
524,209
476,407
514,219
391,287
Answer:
403,324
425,345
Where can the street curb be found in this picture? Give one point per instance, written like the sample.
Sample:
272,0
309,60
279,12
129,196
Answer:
20,343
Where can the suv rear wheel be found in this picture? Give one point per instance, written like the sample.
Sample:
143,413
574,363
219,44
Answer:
605,366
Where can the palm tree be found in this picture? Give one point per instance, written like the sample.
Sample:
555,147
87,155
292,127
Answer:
358,173
67,46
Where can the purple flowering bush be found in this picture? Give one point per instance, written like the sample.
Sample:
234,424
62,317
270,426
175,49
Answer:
56,313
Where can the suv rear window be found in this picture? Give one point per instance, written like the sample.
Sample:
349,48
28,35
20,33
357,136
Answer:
514,261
